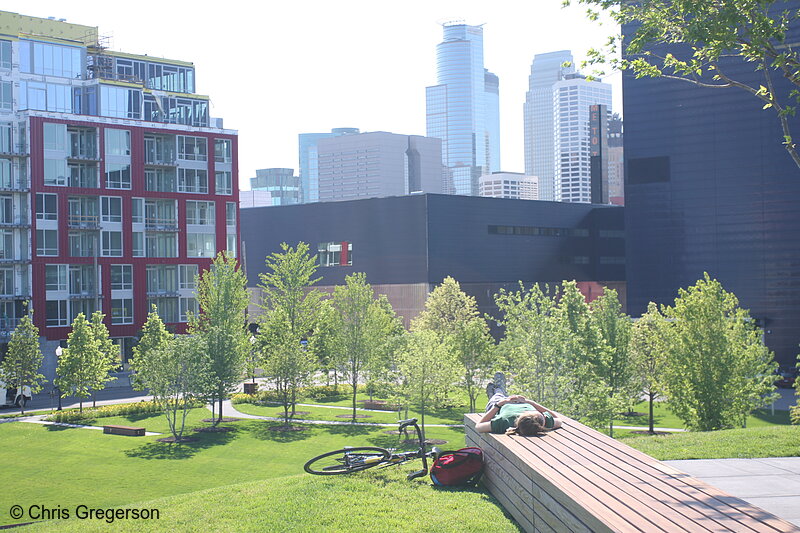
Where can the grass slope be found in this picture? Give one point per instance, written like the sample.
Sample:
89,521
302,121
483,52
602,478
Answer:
372,501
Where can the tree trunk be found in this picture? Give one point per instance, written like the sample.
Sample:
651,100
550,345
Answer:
652,396
80,405
219,420
355,385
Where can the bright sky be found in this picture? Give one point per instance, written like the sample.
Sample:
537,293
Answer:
274,69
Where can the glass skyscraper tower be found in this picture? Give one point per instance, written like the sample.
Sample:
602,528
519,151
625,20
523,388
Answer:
463,109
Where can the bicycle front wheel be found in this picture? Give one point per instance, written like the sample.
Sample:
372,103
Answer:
346,460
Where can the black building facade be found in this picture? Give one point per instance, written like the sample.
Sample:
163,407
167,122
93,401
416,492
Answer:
710,188
408,244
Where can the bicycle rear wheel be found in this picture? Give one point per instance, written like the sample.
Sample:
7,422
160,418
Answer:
346,460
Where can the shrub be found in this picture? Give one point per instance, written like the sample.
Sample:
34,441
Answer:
72,416
265,396
794,413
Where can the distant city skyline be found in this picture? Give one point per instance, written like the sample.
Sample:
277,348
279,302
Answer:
279,70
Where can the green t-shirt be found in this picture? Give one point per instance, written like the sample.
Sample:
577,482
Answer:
508,414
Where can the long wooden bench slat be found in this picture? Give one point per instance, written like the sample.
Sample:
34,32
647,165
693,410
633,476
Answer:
729,511
626,503
604,485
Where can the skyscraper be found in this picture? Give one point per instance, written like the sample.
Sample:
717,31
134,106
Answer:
463,109
281,183
117,187
309,184
546,70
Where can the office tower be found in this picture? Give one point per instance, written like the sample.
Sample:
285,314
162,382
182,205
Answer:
281,183
710,188
616,161
539,119
308,170
572,98
116,187
511,185
463,109
378,164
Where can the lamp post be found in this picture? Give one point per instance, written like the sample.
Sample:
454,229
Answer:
59,351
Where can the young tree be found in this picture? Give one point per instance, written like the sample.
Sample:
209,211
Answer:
175,371
615,329
20,368
222,297
361,326
647,352
291,311
109,352
81,366
428,367
447,309
708,41
718,369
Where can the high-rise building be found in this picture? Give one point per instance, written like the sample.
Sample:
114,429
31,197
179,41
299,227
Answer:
710,188
463,109
282,184
539,119
572,98
308,169
512,185
616,161
116,187
378,164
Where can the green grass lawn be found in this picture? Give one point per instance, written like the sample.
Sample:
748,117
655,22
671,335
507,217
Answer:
372,501
69,466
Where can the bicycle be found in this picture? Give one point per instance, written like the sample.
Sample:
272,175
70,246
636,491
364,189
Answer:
358,458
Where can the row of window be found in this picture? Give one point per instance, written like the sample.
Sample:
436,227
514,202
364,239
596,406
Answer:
538,231
81,279
61,313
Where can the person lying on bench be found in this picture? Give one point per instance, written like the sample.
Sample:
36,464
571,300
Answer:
514,415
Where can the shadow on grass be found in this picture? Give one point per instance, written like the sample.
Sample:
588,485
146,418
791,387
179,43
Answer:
277,432
185,450
780,417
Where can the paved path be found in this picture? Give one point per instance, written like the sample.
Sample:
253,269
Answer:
772,484
39,419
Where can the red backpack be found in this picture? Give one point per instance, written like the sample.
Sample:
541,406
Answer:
462,467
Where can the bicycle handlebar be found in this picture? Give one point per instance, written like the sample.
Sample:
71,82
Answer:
409,422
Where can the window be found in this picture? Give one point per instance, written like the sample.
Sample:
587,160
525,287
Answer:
55,172
120,102
200,213
7,244
161,245
46,242
118,176
159,150
82,280
83,175
138,244
223,182
6,281
46,206
81,244
122,311
55,277
83,143
160,179
50,59
5,54
112,244
222,150
193,180
6,209
335,254
162,279
201,245
192,148
137,210
111,208
231,244
160,214
83,211
187,276
187,305
118,142
121,277
167,308
230,213
56,313
6,95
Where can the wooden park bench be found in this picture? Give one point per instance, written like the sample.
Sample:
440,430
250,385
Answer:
579,480
130,431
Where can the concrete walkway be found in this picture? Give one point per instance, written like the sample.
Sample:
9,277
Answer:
772,484
39,419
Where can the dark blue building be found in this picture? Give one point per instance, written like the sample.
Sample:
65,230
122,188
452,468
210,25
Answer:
710,188
408,244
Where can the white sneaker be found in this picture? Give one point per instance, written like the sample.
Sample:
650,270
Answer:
500,382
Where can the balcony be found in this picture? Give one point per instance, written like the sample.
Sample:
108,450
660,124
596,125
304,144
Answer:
165,161
83,158
84,295
15,185
84,222
15,223
163,292
14,297
8,325
17,150
161,224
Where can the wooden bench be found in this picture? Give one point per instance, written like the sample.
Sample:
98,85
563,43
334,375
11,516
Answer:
129,431
577,479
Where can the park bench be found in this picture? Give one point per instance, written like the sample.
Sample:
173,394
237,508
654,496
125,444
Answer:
130,431
579,480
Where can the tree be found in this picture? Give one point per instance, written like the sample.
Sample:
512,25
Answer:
647,352
706,40
615,329
291,311
20,368
794,411
82,366
222,297
428,368
453,315
109,352
176,371
718,369
362,325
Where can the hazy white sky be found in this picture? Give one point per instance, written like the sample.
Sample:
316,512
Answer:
276,69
